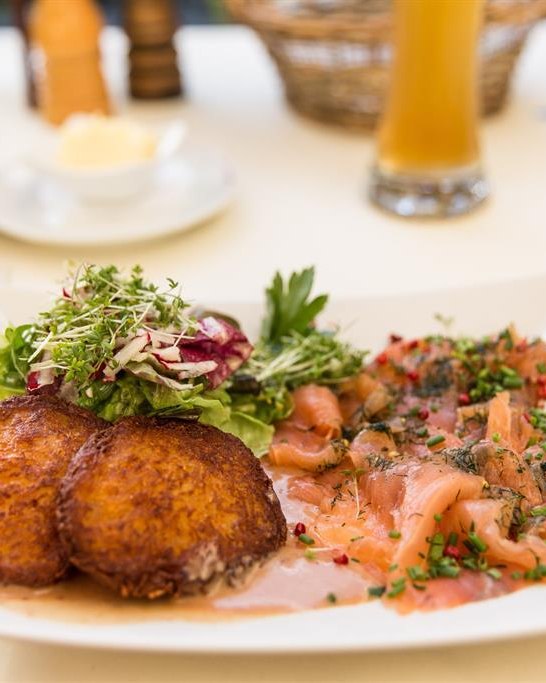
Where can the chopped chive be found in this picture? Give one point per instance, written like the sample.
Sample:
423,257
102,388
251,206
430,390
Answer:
508,372
307,540
356,538
435,440
538,511
470,563
421,432
376,591
436,550
310,554
393,533
417,573
355,559
496,437
448,569
536,574
476,542
397,587
453,538
438,517
392,567
512,382
516,575
494,573
331,597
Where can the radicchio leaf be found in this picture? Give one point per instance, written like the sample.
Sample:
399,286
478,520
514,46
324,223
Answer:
216,340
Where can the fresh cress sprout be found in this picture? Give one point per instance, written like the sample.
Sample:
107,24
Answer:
79,335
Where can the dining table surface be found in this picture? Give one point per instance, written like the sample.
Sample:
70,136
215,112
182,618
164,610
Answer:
301,200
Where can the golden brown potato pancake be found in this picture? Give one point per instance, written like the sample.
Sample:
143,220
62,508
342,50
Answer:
155,507
38,436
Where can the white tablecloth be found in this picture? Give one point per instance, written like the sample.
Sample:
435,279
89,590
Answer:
302,186
301,201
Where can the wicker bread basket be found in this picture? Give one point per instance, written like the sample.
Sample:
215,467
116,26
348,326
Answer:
333,55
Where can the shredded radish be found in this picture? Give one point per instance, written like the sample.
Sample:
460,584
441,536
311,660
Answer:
186,370
147,372
126,354
170,354
40,378
168,357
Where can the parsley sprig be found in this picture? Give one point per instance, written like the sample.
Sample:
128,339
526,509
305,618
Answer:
291,351
289,310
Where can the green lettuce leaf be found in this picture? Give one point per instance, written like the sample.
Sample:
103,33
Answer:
272,404
254,433
129,395
210,407
132,396
14,349
121,398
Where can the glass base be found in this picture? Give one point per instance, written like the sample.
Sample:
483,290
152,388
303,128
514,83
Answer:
433,197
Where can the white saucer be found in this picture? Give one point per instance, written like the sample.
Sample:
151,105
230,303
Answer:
186,191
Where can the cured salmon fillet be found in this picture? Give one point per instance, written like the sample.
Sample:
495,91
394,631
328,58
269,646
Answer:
296,447
429,490
305,440
317,408
426,470
486,516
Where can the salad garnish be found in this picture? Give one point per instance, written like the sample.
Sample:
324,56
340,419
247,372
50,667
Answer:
291,351
119,346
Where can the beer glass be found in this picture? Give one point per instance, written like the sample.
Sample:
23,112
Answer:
428,161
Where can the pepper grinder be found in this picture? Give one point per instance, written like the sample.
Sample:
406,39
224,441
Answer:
150,26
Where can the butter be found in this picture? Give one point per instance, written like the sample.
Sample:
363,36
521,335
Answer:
94,141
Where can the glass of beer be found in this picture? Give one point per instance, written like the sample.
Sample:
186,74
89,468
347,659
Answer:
428,161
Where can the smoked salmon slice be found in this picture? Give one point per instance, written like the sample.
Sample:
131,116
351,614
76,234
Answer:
308,438
295,447
486,517
427,470
317,408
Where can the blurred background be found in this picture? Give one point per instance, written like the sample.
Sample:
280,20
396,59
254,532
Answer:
292,97
192,11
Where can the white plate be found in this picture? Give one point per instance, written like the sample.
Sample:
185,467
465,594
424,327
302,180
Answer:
361,627
186,191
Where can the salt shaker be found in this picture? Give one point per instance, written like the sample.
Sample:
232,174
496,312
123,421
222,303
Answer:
64,39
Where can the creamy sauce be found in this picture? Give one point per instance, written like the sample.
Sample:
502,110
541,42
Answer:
287,582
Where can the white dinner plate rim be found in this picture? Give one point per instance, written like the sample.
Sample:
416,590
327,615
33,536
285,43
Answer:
69,636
